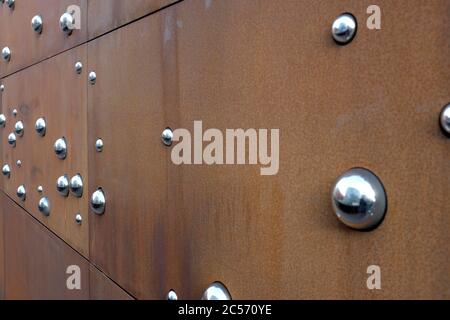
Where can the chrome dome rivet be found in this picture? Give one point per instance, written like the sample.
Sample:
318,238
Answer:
62,185
67,23
12,139
18,128
21,192
44,206
40,189
2,120
99,145
172,295
2,87
76,185
359,199
6,170
344,28
78,219
10,3
444,120
78,67
98,201
92,77
40,126
37,23
167,137
216,291
14,112
6,54
60,148
19,163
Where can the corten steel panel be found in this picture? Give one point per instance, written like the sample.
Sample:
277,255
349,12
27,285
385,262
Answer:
106,15
102,288
28,47
37,261
53,90
373,103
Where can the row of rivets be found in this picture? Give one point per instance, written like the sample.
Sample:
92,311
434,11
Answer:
216,291
75,185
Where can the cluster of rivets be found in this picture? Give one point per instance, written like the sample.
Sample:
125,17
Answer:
76,185
6,54
167,136
344,28
12,139
78,219
359,199
67,22
18,163
92,77
60,148
98,201
6,170
44,206
62,185
40,126
444,120
21,192
99,145
78,67
2,120
172,295
10,3
37,23
216,291
18,128
15,112
40,189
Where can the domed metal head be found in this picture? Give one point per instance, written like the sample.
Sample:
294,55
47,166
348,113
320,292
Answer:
62,185
359,199
60,148
344,28
37,23
167,136
216,291
67,22
76,185
98,201
44,206
40,126
172,295
21,192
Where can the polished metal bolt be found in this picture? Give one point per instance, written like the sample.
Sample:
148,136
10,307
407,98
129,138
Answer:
344,28
78,67
99,145
167,136
37,23
92,77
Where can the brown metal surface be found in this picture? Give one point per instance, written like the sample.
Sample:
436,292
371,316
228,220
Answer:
52,90
106,15
26,45
234,64
102,288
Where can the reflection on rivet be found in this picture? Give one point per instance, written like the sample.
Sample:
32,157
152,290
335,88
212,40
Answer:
167,136
60,148
78,67
36,23
216,291
2,120
98,201
92,77
18,128
76,185
12,139
6,54
344,28
40,126
44,206
21,192
99,145
6,170
67,23
62,185
172,295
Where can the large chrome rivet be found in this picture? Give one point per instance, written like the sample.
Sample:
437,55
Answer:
344,28
99,145
18,128
2,120
78,219
92,77
44,206
167,136
172,295
10,3
12,139
6,170
444,120
359,199
36,23
216,291
62,185
78,67
6,54
21,192
60,148
98,201
40,126
67,22
76,186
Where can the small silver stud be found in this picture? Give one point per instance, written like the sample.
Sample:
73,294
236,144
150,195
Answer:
21,192
67,23
18,128
76,185
344,28
14,112
40,189
2,120
2,87
167,136
44,206
78,219
172,295
98,201
359,199
36,23
92,77
62,185
40,126
6,54
12,140
10,3
60,148
99,145
6,170
19,163
78,67
444,120
216,291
